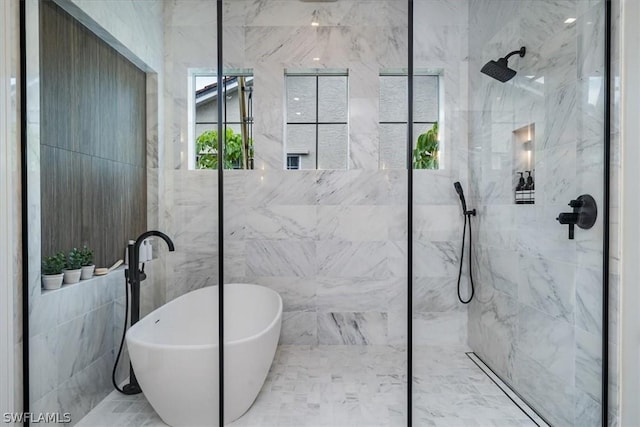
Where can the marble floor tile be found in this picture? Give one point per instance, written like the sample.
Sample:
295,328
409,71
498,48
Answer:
348,385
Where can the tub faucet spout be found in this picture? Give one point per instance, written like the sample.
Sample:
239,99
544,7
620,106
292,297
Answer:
138,274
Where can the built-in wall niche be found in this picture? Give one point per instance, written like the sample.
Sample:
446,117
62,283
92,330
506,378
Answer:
93,177
524,149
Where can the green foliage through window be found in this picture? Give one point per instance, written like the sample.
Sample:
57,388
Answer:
425,155
207,150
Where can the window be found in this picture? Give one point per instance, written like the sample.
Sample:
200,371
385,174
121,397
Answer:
293,161
393,120
238,120
317,130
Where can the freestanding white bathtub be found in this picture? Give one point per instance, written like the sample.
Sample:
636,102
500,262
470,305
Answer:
174,352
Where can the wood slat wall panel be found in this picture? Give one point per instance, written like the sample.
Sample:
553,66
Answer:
108,78
93,141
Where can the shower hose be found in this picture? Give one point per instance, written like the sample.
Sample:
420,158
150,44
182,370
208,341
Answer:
467,220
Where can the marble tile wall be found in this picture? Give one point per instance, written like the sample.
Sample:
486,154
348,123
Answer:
333,243
537,316
74,331
72,345
337,257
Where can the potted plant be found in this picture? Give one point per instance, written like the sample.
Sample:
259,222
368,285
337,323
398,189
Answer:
87,263
73,269
52,267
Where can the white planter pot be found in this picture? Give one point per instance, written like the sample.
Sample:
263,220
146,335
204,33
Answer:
72,276
52,281
87,272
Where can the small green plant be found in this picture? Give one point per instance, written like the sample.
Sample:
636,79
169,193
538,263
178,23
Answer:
74,259
87,256
425,155
54,264
207,149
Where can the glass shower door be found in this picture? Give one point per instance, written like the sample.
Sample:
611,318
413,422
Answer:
317,219
535,319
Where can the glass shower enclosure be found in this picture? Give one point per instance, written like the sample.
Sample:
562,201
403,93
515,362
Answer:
315,154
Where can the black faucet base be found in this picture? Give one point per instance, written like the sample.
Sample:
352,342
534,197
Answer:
131,389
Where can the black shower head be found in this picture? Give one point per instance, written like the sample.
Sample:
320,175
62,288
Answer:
499,69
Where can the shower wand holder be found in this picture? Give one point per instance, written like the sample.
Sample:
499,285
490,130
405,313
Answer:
584,215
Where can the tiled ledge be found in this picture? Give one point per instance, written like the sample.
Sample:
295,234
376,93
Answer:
117,272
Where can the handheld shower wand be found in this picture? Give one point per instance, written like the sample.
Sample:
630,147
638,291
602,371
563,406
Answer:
467,220
458,188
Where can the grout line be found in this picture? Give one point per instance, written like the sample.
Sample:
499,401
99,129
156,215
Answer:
536,418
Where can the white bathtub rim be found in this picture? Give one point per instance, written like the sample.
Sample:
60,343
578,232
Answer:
215,345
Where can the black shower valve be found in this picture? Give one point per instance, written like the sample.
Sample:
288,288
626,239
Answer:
584,214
